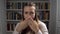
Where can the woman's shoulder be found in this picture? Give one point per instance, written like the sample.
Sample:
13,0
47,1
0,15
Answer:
19,23
43,26
41,23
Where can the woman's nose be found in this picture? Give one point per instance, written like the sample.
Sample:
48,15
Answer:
28,15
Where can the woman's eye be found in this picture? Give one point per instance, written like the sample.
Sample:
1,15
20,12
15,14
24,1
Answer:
26,12
31,12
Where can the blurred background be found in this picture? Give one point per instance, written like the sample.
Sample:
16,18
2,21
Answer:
11,13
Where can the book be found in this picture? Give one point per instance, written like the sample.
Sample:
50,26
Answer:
38,6
23,4
19,16
46,15
15,6
12,26
14,16
8,26
40,15
8,5
19,5
46,5
41,5
9,15
11,5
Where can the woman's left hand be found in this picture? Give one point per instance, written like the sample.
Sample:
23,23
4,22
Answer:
33,25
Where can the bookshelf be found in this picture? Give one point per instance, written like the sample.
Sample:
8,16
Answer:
14,12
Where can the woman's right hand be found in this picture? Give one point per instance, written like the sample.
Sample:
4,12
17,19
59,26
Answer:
22,25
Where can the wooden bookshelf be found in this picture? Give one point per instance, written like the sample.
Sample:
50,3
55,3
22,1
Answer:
14,12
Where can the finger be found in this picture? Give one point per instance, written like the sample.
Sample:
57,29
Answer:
28,17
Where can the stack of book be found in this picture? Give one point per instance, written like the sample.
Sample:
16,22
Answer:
12,5
10,27
11,15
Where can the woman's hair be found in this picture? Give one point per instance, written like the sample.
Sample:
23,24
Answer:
30,4
36,17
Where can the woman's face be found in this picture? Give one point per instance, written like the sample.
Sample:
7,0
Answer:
29,11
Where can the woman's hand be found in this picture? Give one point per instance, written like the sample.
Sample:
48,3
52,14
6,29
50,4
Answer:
22,25
33,25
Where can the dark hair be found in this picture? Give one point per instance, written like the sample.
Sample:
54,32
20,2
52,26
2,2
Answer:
36,17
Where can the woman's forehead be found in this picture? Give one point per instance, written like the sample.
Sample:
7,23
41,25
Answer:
29,8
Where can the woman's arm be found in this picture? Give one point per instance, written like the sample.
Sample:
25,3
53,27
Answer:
39,32
15,32
20,26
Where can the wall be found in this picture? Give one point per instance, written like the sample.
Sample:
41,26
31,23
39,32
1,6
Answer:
52,24
58,18
2,17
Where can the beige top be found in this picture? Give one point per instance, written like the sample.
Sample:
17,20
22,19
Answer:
43,29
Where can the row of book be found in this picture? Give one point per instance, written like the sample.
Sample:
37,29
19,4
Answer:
27,0
42,5
43,15
11,26
11,5
12,15
19,5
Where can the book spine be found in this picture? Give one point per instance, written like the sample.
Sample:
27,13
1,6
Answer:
8,27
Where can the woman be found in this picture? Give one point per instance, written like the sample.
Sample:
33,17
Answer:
30,23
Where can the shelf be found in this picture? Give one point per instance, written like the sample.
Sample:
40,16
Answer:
19,20
44,20
21,9
14,9
9,31
13,20
43,9
14,13
29,1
